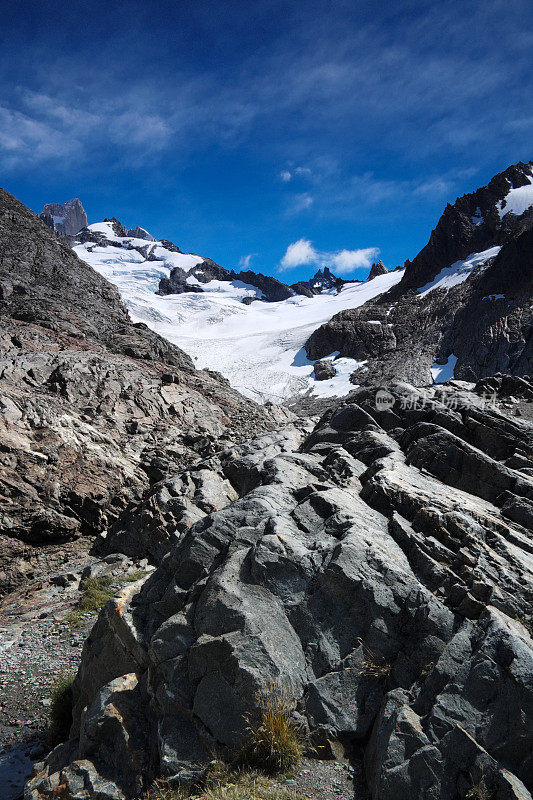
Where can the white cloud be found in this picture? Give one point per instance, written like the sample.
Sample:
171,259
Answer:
286,175
346,261
299,253
343,262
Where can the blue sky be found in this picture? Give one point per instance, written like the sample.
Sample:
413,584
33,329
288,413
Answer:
238,129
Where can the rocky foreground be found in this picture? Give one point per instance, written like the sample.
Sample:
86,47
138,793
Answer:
380,566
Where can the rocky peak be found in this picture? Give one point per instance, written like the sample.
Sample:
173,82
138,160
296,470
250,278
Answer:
377,269
322,279
475,222
65,219
140,233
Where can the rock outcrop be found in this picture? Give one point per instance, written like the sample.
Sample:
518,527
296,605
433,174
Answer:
269,288
475,222
93,408
140,233
324,370
380,567
323,279
65,219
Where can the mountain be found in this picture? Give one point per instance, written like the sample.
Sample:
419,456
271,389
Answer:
373,563
95,408
249,326
463,305
460,307
476,222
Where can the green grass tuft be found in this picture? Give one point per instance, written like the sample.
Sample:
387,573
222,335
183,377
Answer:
61,708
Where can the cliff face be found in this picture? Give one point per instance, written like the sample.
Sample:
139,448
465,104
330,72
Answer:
93,408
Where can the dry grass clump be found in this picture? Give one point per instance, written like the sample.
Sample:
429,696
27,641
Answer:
221,783
275,741
375,666
480,790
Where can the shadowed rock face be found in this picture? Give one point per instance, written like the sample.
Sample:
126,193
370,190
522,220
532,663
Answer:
471,225
380,567
93,408
486,322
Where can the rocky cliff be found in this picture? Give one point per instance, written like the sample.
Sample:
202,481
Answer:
379,566
93,408
464,301
65,219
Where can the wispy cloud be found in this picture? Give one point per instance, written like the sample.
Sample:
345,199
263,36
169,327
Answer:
344,262
246,261
299,202
287,175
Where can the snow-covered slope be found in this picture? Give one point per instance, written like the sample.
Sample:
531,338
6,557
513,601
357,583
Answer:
259,347
460,270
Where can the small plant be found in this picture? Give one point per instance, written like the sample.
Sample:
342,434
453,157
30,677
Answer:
426,669
61,708
97,592
480,790
374,666
135,576
275,741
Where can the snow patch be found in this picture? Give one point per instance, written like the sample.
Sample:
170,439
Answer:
478,219
444,372
517,201
459,271
494,297
340,384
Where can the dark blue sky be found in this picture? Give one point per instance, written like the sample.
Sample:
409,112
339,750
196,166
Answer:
239,128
